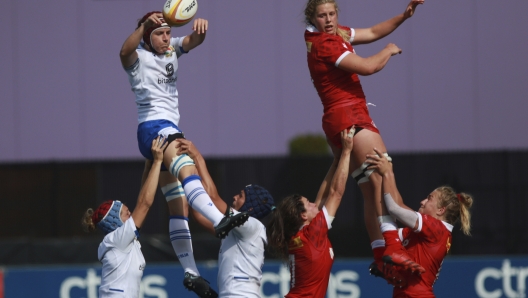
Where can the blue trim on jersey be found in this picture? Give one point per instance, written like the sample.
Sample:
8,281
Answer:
190,178
117,290
182,50
148,131
178,217
133,65
241,277
137,234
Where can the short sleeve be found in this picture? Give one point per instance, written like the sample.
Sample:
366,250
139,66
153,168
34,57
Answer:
121,237
134,69
177,43
352,34
431,228
330,49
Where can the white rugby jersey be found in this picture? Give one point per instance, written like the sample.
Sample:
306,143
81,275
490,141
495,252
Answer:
123,262
241,259
153,80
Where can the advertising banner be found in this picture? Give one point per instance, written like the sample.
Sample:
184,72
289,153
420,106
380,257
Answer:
481,277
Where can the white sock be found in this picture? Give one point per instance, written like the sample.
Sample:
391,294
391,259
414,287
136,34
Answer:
387,223
180,237
200,201
377,243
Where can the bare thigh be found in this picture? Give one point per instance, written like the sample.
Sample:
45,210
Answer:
364,143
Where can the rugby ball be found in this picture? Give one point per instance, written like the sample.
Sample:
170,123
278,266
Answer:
179,12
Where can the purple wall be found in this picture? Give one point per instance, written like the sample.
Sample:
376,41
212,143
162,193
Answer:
459,84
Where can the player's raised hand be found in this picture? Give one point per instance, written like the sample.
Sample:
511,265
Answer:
185,146
200,25
153,19
347,139
411,7
394,49
158,147
379,162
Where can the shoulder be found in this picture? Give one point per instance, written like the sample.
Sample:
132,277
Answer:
348,29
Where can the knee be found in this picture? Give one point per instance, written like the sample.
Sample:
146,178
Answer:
182,166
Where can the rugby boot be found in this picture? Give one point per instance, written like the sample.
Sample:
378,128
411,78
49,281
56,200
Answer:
230,222
401,259
198,285
375,270
388,272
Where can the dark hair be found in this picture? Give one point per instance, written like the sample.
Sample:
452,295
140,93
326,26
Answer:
285,222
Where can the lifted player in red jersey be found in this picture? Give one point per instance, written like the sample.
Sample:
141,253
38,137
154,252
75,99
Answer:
427,235
335,68
298,229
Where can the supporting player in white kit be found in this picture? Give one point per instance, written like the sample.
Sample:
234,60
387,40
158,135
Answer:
120,251
241,254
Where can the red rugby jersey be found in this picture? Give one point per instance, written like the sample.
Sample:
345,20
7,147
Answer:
311,259
427,246
335,87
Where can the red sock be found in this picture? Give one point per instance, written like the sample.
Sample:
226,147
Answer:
392,241
378,253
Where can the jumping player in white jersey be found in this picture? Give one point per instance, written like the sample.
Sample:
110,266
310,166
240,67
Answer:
241,254
150,58
120,251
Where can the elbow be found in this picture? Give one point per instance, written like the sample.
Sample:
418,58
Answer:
122,54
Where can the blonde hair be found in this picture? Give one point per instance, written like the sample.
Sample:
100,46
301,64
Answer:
457,207
309,13
87,222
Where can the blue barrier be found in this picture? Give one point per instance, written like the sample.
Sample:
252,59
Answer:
482,277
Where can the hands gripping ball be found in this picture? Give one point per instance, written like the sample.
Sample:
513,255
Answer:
179,12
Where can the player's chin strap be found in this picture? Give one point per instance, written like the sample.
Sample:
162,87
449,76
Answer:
112,219
362,174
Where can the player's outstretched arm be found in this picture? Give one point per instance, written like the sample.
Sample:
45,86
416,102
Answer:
325,185
149,187
391,195
338,184
378,31
196,38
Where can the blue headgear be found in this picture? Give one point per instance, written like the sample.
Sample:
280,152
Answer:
259,201
112,219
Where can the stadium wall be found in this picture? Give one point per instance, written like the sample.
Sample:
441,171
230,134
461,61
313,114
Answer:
482,277
41,204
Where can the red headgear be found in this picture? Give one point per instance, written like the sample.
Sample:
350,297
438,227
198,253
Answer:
148,32
101,211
